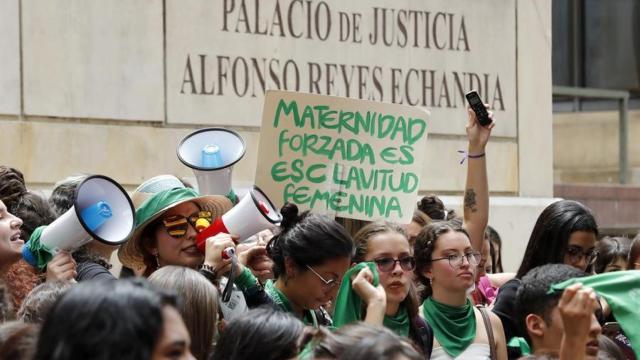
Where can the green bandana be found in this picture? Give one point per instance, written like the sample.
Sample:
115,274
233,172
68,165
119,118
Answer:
520,343
348,305
454,327
621,289
281,300
398,323
40,255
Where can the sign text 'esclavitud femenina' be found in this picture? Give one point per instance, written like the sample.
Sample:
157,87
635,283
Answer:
345,157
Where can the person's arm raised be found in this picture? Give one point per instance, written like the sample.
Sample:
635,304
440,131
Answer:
476,193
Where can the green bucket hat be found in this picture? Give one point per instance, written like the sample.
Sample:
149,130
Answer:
131,253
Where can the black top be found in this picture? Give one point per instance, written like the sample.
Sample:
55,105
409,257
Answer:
89,270
505,308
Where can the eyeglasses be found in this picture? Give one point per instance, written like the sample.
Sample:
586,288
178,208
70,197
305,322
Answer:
178,225
327,284
457,260
387,264
576,254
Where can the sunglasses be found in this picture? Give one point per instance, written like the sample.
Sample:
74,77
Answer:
177,225
387,264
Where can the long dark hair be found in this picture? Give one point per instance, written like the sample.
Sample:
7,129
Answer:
307,239
101,319
424,246
361,240
550,235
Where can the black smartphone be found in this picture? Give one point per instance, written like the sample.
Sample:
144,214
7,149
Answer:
478,107
611,329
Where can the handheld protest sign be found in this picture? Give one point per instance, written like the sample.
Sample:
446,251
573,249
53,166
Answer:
345,157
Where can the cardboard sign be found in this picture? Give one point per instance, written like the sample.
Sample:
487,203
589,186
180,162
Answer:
343,157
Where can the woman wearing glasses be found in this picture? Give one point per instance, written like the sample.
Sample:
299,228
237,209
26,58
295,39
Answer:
166,226
310,255
386,245
446,264
565,233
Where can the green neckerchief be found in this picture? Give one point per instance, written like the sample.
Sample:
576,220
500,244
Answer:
621,289
40,255
233,197
348,305
399,323
520,343
454,327
281,300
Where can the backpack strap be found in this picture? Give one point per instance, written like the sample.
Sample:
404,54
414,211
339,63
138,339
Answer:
489,330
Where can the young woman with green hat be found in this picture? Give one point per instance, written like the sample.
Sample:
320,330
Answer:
165,225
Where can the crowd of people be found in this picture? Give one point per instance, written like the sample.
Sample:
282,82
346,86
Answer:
309,289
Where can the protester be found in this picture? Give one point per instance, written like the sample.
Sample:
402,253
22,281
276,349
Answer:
10,241
346,343
394,302
445,264
613,254
34,211
310,255
165,229
40,300
418,221
383,346
554,321
263,333
198,305
124,319
565,233
433,207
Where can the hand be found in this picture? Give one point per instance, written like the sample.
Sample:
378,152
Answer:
213,252
478,135
362,284
264,236
61,268
577,306
255,257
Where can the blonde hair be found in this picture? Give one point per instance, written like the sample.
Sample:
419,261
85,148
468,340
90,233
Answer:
198,304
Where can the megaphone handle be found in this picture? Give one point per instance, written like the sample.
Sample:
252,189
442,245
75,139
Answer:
226,293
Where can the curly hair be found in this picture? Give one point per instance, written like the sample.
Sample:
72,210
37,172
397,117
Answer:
424,246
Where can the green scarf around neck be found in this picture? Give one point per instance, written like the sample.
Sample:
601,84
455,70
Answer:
309,317
348,306
454,327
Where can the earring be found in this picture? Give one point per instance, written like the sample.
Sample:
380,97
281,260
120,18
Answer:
157,260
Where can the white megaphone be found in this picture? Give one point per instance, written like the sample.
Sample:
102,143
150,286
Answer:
211,153
101,210
254,213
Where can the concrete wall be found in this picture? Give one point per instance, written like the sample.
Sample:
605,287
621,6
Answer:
108,86
585,147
